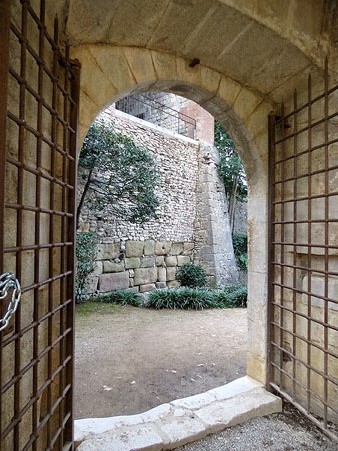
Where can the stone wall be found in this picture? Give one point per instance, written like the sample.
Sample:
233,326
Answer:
214,249
192,222
177,163
139,265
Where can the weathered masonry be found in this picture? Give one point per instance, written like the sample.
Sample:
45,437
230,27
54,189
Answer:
192,224
239,60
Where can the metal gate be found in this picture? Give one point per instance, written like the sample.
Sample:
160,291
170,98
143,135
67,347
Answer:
303,292
38,129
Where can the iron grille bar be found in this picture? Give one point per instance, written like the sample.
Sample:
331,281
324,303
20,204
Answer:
41,415
302,302
304,129
311,149
4,66
19,235
314,420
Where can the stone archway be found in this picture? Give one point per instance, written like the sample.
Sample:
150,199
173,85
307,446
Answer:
260,53
242,112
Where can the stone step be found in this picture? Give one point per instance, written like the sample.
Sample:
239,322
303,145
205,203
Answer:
178,422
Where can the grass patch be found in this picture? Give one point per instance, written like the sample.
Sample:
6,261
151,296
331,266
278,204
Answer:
87,308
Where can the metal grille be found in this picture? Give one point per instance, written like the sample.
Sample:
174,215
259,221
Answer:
303,294
146,107
38,129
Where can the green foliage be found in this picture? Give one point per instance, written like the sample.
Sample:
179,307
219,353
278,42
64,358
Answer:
86,249
121,177
181,298
230,167
192,276
122,297
240,243
197,298
235,295
90,307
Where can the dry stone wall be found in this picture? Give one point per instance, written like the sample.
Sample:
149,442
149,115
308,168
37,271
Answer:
139,265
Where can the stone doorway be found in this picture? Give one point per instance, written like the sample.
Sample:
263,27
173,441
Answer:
264,53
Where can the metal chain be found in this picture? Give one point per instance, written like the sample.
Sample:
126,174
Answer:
9,281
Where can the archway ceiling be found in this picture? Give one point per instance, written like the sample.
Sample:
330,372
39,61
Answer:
220,36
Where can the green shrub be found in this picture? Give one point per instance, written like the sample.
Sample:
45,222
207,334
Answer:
240,243
237,295
122,297
197,298
181,298
192,276
86,250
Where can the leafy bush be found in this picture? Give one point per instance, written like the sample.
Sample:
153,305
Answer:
240,243
181,298
236,295
122,297
192,276
197,298
120,178
86,250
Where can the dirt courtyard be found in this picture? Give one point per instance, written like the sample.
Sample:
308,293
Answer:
128,359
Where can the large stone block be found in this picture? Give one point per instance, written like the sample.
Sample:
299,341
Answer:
176,249
108,251
132,262
171,261
148,262
160,285
145,275
109,266
171,273
188,248
114,281
183,259
149,247
92,283
162,274
160,260
98,268
147,287
134,248
162,247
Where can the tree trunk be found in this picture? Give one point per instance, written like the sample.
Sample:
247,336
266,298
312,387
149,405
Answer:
84,192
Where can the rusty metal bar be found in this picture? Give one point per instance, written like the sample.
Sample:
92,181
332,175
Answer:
326,237
309,256
20,231
294,232
71,231
291,374
51,224
45,430
301,408
37,263
271,234
4,67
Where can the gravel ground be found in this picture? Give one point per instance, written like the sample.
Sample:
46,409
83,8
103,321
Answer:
288,431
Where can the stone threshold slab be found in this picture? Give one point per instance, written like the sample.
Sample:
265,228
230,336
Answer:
178,422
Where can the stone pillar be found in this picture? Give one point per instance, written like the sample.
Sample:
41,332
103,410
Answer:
213,240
